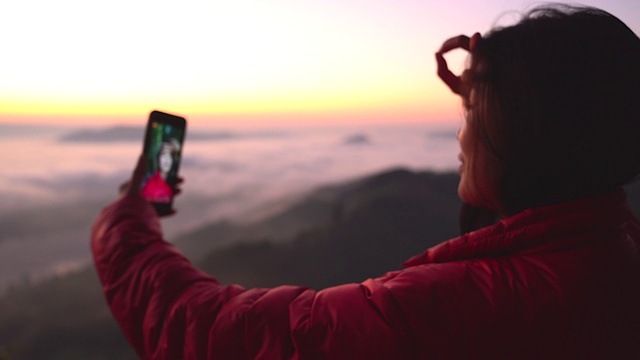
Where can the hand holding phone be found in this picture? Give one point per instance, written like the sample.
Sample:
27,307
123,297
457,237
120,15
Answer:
163,143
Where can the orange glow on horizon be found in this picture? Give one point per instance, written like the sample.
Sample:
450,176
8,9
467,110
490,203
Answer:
274,118
391,106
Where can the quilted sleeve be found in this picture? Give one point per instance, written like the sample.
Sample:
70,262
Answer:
167,309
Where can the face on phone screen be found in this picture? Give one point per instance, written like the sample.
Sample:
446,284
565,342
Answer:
163,151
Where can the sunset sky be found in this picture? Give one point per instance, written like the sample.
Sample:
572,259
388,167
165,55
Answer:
238,60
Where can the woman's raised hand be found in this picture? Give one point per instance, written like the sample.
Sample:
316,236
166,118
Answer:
458,42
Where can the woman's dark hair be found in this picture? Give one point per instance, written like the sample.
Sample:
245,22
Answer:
556,99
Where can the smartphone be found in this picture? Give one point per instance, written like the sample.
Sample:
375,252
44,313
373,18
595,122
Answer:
163,143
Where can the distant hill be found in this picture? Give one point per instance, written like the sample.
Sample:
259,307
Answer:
343,233
126,133
111,134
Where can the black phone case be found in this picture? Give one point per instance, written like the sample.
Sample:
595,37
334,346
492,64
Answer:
163,131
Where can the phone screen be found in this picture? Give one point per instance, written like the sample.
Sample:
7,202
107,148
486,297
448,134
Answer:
164,140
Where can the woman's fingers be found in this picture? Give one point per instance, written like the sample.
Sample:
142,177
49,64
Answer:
449,78
124,188
457,42
473,42
446,75
178,189
138,172
132,186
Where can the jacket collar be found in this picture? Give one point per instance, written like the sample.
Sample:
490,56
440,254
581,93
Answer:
538,229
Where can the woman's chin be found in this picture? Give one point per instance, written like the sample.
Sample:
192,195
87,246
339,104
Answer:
466,194
462,193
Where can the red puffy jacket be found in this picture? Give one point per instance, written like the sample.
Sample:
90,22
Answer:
561,281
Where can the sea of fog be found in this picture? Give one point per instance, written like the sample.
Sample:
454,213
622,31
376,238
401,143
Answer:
54,180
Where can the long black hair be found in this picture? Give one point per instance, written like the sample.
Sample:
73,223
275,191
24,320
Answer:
556,99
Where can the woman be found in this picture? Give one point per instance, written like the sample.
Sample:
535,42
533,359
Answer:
156,188
549,138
